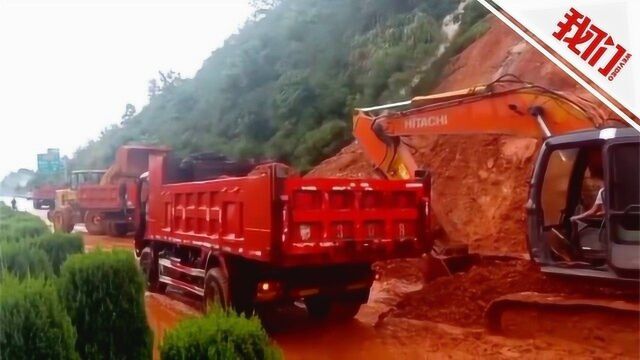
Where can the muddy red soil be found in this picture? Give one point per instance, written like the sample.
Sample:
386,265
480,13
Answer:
406,318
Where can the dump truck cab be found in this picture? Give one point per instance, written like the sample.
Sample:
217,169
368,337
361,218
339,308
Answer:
570,171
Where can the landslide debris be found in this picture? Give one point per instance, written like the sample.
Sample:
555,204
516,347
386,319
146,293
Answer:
461,299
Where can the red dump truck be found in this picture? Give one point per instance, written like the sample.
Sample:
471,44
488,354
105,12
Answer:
268,236
44,195
102,199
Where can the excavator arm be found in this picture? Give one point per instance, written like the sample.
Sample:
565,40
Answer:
502,107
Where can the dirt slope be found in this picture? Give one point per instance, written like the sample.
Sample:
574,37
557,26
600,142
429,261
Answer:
480,182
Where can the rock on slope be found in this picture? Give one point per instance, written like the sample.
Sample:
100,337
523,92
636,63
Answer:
480,182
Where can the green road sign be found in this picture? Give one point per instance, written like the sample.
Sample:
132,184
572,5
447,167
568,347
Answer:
49,162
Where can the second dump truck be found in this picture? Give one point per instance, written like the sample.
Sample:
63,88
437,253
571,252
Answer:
251,236
102,199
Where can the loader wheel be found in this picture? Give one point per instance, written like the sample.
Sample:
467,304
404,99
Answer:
93,223
62,221
215,290
149,265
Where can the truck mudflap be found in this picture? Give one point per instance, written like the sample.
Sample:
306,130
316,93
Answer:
539,303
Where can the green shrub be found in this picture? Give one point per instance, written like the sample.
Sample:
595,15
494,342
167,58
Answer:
218,335
103,293
18,225
58,247
22,260
33,323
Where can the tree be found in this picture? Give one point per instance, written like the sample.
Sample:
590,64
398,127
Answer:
129,113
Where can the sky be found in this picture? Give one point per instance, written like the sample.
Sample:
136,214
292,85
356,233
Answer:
68,68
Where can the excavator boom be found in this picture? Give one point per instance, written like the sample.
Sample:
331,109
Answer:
499,108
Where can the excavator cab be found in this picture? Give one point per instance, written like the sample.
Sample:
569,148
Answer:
568,176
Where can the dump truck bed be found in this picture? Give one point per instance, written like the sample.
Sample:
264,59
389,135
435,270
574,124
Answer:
293,221
99,197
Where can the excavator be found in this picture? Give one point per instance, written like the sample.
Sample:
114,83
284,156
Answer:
577,149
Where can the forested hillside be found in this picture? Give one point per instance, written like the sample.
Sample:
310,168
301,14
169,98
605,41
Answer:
284,86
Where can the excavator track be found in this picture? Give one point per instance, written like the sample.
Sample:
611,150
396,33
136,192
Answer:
530,314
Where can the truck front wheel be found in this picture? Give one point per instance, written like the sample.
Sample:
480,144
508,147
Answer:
149,266
215,289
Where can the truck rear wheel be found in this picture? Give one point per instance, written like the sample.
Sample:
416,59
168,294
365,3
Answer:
93,223
37,205
149,265
215,289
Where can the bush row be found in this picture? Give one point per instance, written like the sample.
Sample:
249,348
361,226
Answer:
57,302
40,256
100,296
34,323
103,293
19,225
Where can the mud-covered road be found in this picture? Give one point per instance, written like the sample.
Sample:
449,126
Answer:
378,333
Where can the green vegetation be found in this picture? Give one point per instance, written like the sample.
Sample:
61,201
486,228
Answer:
23,260
58,247
27,248
218,335
94,310
33,323
103,293
285,85
19,225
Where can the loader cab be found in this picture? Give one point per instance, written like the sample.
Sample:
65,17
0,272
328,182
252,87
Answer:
80,177
66,197
570,171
